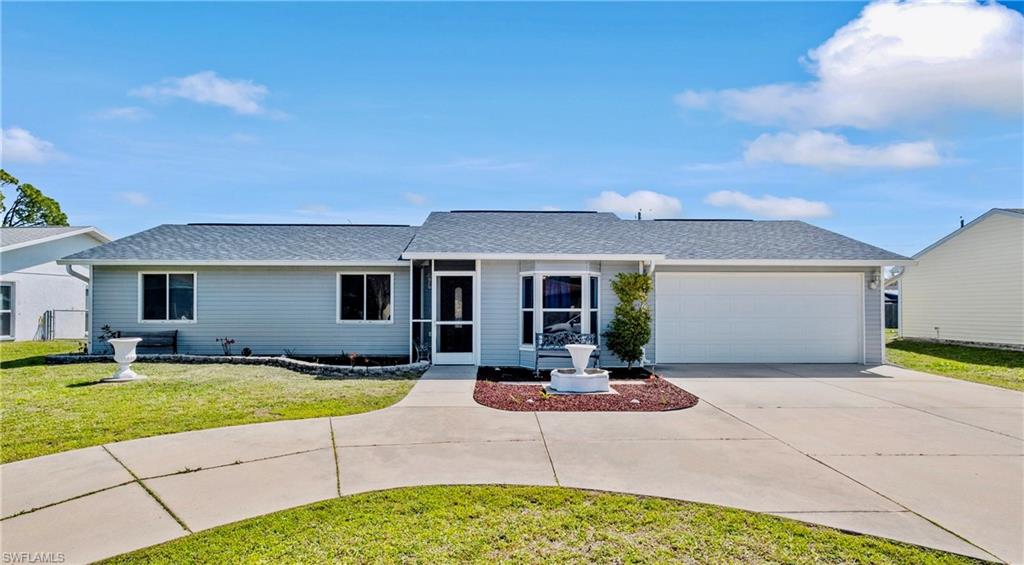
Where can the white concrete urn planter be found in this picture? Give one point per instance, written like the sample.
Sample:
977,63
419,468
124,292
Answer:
124,355
579,378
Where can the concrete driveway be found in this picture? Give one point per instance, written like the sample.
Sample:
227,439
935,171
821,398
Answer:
884,451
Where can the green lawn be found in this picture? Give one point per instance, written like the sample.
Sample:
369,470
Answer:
995,367
50,408
485,524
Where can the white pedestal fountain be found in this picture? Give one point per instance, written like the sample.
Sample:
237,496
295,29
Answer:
579,378
124,355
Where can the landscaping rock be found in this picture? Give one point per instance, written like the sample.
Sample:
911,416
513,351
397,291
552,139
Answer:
299,366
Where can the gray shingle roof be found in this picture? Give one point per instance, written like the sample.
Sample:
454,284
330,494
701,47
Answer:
753,240
480,233
18,236
252,242
526,233
1014,210
604,233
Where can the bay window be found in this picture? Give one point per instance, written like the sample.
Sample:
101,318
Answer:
167,297
563,303
364,297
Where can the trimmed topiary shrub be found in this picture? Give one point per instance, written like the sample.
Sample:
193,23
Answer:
630,329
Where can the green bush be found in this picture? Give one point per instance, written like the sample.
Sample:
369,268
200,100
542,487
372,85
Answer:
630,330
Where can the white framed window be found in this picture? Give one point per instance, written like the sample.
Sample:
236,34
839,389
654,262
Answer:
561,303
365,298
526,306
167,297
6,310
555,302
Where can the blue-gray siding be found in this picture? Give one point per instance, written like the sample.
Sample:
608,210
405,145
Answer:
270,309
265,309
499,315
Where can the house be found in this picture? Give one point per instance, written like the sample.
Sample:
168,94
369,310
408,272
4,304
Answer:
40,299
476,287
892,307
969,285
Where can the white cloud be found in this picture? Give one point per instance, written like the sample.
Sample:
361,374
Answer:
315,210
831,151
696,100
414,198
18,145
769,206
129,113
134,198
895,61
549,208
206,87
652,204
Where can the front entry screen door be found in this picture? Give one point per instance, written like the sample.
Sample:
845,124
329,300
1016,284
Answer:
454,319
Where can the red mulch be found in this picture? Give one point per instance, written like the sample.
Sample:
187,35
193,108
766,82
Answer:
655,395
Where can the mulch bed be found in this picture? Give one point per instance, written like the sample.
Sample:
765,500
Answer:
653,394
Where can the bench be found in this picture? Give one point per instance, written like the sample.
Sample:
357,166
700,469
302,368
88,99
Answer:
553,345
155,340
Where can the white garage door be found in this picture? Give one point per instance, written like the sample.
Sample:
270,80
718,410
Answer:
758,317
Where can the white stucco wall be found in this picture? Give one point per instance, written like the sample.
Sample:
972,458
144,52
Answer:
40,284
970,287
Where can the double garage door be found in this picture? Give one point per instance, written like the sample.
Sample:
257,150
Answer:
759,317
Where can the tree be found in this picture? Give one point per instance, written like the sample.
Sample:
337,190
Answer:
30,207
630,329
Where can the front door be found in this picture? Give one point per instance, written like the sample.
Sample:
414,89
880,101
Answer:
454,321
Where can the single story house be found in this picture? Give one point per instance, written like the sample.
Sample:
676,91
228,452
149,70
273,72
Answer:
969,285
40,299
476,287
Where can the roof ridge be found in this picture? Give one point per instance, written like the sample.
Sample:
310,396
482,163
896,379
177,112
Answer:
294,225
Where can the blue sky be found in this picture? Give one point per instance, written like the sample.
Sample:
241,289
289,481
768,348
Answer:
887,129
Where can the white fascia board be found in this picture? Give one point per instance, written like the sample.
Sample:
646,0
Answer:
95,233
966,226
786,262
240,263
534,256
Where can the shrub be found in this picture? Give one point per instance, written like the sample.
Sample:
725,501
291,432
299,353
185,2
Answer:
630,329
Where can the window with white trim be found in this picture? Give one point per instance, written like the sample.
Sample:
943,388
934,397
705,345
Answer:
557,302
562,303
594,307
6,310
526,305
364,297
168,297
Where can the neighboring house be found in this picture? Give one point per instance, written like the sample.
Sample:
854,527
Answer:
474,287
892,307
40,299
969,285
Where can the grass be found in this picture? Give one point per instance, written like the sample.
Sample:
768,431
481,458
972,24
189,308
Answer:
484,524
51,408
996,367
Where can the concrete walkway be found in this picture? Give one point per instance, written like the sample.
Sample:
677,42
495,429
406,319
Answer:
886,451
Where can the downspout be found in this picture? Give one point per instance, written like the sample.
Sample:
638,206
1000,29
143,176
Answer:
88,304
76,274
